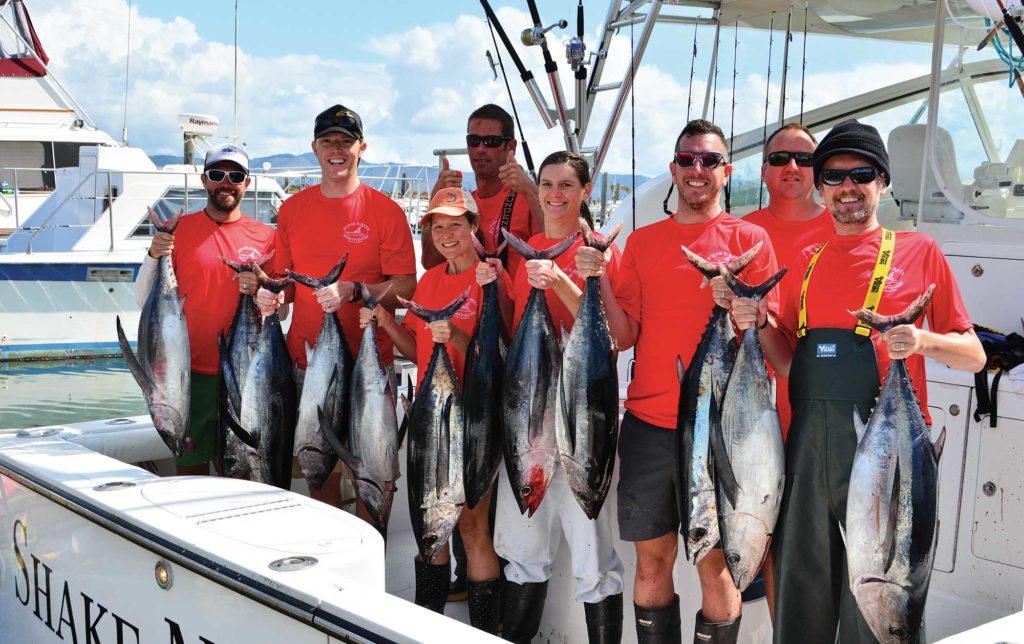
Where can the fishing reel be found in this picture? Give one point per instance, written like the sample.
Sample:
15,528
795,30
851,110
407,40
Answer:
535,35
576,52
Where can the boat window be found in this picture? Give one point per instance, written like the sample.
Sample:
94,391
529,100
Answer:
65,154
261,205
22,164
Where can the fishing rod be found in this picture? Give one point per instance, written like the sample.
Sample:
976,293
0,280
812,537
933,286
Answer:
525,74
575,54
515,112
535,36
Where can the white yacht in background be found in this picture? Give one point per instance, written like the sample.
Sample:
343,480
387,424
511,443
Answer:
250,563
74,208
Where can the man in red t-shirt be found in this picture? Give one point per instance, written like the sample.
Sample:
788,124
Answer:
208,286
835,372
793,219
505,194
660,296
317,226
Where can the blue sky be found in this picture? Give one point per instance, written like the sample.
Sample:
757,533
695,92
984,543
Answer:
413,69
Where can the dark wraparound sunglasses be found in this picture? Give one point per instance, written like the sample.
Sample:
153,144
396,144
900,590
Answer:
779,159
708,160
835,177
490,141
235,176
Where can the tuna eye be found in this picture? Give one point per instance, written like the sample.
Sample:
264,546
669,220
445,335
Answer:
697,534
525,490
429,540
899,632
732,558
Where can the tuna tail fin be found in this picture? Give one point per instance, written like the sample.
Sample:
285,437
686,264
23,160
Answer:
859,426
433,315
238,267
369,300
165,226
441,477
755,292
710,269
600,244
883,323
320,282
134,366
939,443
529,252
725,476
889,544
272,285
482,253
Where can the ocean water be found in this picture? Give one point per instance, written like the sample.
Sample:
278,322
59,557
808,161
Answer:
36,394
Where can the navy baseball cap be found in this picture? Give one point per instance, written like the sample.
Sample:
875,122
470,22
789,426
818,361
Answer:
338,118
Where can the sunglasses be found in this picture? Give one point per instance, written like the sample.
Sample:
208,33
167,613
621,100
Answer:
779,159
835,177
235,176
489,141
708,160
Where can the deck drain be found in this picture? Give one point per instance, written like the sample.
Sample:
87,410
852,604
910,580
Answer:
291,564
38,433
113,485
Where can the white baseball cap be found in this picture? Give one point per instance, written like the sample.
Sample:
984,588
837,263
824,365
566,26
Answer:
227,152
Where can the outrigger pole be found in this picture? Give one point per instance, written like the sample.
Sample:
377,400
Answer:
515,112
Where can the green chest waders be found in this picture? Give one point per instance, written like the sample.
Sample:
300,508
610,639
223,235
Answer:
833,374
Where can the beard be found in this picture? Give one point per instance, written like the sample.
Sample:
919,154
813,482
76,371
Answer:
224,202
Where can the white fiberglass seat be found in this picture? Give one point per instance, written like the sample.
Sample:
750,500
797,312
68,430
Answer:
906,156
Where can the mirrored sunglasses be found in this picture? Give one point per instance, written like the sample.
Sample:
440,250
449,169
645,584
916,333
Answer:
708,160
489,141
217,176
779,159
836,177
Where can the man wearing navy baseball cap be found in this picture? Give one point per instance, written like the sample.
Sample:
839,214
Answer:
315,229
836,369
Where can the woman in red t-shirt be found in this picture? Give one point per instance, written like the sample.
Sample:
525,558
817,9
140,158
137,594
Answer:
530,543
451,222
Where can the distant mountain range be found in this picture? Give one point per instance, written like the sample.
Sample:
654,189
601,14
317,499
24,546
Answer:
388,177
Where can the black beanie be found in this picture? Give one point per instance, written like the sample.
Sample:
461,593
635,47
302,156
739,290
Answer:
852,137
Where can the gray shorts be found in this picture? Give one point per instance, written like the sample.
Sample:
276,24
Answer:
647,480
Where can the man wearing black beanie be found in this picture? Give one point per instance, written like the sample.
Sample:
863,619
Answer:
835,371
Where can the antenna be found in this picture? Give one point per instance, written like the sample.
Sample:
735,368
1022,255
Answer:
127,64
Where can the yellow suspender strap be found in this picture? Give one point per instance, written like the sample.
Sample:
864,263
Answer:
875,288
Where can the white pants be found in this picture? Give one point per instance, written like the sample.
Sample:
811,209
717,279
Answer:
530,544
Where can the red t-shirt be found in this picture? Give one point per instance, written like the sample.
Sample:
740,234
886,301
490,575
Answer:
661,290
840,280
436,290
789,238
521,224
207,284
560,315
314,232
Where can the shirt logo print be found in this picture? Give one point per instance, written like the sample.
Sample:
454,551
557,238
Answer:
246,253
356,232
893,281
467,310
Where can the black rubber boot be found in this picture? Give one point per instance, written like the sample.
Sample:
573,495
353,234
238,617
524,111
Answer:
432,585
523,607
718,633
658,625
604,620
484,604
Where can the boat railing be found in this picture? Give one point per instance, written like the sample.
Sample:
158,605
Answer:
108,187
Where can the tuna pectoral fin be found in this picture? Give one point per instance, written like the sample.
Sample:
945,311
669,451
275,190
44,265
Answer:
724,474
444,441
889,543
230,378
858,425
247,437
568,411
136,369
939,443
355,464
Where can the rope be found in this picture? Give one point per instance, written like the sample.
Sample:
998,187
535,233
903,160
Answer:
732,117
693,61
515,113
803,69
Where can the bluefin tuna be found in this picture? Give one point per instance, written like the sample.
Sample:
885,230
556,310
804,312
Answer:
240,344
587,425
748,451
481,393
705,376
434,453
532,366
264,410
373,432
329,358
162,368
891,506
